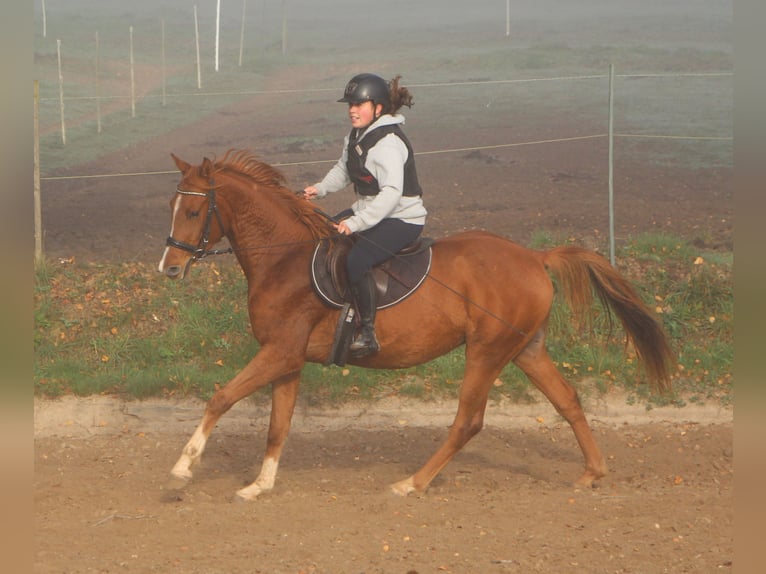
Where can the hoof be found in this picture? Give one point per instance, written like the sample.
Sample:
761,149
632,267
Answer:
238,499
248,493
176,482
403,487
588,479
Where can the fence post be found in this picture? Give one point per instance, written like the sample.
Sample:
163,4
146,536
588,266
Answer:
242,32
611,164
284,27
132,78
98,86
162,40
196,44
61,93
217,30
507,17
38,210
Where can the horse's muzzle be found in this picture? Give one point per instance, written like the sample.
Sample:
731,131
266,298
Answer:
175,271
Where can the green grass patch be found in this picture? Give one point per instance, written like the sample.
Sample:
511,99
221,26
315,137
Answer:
126,330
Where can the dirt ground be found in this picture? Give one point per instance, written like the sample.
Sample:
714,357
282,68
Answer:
505,504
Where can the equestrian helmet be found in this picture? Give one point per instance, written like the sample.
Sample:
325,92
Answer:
366,87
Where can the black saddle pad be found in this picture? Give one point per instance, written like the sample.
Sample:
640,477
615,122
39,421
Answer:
396,278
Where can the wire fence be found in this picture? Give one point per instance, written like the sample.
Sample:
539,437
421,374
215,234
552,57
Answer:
147,92
305,93
308,91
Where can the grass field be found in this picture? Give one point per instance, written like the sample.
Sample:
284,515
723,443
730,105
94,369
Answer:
122,329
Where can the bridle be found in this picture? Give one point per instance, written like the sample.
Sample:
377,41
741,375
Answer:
200,250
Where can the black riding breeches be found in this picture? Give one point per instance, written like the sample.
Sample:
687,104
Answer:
375,245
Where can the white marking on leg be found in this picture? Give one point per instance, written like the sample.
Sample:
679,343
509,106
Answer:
190,454
264,482
176,207
403,487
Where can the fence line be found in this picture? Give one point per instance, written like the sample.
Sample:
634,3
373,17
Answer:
611,135
422,85
672,137
432,152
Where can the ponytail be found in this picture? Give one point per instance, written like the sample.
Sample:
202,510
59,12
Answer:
398,95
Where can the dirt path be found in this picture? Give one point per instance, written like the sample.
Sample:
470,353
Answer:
505,504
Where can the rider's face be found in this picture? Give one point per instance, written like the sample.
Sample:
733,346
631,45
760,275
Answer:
362,115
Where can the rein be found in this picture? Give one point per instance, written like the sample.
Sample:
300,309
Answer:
200,250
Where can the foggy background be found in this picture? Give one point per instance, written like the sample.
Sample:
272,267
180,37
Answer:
473,86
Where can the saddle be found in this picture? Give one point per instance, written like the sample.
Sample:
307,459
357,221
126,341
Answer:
395,278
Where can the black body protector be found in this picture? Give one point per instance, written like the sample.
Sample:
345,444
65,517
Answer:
364,182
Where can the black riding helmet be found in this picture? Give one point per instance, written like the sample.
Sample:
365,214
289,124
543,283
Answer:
367,87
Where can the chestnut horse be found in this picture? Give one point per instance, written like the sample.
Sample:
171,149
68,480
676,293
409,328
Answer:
482,291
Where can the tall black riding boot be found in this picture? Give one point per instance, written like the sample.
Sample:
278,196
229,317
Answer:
364,342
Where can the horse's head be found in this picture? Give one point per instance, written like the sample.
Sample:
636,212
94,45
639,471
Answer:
195,223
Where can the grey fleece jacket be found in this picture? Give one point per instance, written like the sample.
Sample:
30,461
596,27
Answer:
385,160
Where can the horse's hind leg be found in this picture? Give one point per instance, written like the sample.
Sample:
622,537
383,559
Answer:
469,420
537,365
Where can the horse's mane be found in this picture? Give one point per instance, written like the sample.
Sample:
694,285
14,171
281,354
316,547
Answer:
274,181
244,162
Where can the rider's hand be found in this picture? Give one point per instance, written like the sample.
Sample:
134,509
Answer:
310,192
342,228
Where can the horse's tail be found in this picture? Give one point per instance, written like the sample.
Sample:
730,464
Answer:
579,272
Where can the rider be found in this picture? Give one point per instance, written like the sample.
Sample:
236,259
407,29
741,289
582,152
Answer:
388,213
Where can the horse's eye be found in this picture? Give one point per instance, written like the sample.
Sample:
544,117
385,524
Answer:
191,214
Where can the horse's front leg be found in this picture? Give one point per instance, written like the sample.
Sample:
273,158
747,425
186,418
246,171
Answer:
181,472
283,396
269,365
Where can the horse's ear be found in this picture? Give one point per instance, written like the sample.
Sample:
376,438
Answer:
206,168
181,164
